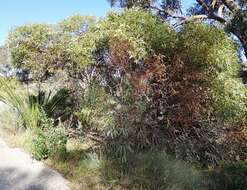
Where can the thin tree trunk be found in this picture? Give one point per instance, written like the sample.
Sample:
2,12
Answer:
242,38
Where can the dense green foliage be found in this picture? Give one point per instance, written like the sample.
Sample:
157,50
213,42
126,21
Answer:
144,35
212,65
40,50
229,14
49,142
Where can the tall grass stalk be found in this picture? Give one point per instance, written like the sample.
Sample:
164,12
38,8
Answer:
12,94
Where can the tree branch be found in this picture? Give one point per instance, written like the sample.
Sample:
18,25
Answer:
168,13
185,19
232,5
204,6
211,13
217,18
220,11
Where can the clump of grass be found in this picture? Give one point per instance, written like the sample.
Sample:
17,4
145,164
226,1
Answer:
80,166
15,96
17,138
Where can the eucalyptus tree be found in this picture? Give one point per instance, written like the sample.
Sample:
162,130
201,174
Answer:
230,14
40,49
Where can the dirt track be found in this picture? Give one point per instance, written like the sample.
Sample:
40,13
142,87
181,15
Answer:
19,171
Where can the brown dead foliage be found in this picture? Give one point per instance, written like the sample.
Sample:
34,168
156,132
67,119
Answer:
178,116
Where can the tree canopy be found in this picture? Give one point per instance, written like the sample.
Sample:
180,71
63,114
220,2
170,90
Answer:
41,49
227,13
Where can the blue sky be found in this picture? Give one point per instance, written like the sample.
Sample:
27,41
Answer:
18,12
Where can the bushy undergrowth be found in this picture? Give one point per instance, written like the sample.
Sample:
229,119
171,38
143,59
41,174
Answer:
37,113
154,170
228,176
50,143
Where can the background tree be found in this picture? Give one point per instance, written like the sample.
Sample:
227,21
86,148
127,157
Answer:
3,55
40,50
5,67
31,49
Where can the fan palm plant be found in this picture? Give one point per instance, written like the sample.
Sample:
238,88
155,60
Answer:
56,104
29,108
17,98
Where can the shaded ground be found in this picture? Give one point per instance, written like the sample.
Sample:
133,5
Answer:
19,171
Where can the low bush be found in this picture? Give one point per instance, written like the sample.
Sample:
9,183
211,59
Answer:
153,170
49,141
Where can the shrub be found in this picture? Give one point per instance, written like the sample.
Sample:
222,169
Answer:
153,170
124,50
206,82
166,86
96,106
49,141
56,104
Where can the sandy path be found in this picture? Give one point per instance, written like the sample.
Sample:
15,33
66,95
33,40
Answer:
19,171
